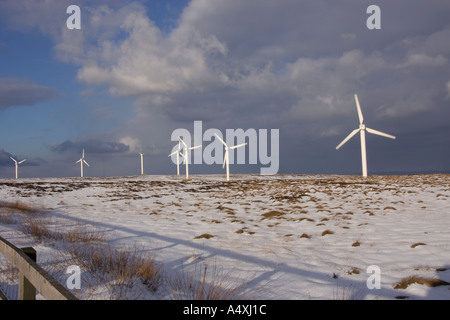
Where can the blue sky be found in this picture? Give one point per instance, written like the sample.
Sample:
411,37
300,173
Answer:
138,70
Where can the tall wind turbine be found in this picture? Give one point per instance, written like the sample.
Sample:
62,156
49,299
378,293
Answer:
362,130
17,164
177,152
142,163
81,161
226,159
185,155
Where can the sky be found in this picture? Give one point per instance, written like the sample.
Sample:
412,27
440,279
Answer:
138,71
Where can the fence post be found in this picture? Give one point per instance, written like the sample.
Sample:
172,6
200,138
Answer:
26,290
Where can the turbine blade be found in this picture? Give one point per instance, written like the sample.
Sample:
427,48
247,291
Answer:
86,163
192,148
239,145
79,160
174,153
360,116
22,161
221,139
380,133
13,159
348,138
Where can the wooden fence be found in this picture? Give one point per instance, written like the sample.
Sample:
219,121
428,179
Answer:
31,276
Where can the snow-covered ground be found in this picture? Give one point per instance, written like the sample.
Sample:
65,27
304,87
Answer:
283,236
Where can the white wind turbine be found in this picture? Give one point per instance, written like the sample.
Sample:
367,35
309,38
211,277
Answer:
186,155
362,130
226,159
81,161
177,152
142,163
17,164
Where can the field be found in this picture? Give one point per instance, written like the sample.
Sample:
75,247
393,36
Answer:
254,237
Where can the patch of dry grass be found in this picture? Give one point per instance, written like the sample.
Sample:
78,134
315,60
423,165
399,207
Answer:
272,214
87,247
202,284
418,244
119,266
356,243
19,207
327,232
405,282
204,236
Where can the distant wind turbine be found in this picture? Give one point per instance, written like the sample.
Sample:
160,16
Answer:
226,159
177,152
186,155
81,161
362,130
142,163
17,164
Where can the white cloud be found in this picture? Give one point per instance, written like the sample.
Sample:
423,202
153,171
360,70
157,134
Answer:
133,143
424,60
146,61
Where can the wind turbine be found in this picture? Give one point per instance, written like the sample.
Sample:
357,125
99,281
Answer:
142,163
177,152
185,155
81,161
17,164
362,130
226,159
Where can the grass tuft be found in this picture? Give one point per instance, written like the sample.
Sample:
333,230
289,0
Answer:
327,232
202,284
405,282
204,236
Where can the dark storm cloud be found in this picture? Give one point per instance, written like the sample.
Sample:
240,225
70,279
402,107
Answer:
5,160
18,92
91,146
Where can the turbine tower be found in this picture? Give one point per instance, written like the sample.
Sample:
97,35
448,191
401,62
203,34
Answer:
362,130
226,159
17,165
142,163
81,161
185,155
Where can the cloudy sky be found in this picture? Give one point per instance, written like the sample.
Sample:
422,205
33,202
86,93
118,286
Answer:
138,70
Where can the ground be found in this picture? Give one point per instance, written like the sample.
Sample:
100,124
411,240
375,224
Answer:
276,237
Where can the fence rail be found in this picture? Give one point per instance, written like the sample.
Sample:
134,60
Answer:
32,276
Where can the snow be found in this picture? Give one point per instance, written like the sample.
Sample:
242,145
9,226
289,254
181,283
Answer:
267,231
